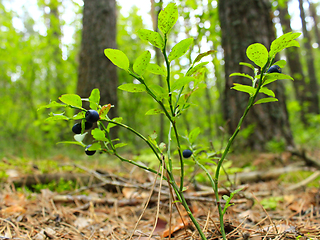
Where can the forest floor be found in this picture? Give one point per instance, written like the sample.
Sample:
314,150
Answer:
107,204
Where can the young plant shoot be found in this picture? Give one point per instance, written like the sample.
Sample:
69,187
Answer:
172,101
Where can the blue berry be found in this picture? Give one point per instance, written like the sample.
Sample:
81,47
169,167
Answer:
89,152
77,127
274,69
92,116
186,153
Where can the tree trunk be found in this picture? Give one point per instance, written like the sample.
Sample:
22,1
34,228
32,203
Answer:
313,12
155,10
314,88
241,26
95,70
300,86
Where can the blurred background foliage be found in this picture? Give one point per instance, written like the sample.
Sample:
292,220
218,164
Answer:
39,52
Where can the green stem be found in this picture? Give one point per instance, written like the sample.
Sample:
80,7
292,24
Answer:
216,178
168,73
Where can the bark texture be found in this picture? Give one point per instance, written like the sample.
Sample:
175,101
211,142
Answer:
314,87
244,23
95,70
301,87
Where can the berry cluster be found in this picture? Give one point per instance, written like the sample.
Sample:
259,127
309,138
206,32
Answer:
91,116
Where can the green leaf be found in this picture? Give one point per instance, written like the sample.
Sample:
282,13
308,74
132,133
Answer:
241,75
247,64
168,17
180,49
71,142
94,147
159,91
178,84
280,63
52,104
267,91
79,115
118,58
131,87
258,54
141,63
99,134
194,134
57,117
202,55
196,68
154,111
117,119
156,69
265,100
244,88
71,99
152,37
119,145
271,77
94,99
282,42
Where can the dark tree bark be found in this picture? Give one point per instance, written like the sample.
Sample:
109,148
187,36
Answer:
293,58
314,88
155,10
244,23
313,12
95,70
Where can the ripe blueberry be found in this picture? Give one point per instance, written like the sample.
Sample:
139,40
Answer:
77,127
89,152
92,116
186,153
274,69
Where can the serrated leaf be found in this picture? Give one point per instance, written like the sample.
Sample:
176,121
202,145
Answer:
202,55
98,134
258,54
156,69
271,77
178,84
152,37
194,134
141,63
284,41
71,99
52,104
265,100
118,58
154,111
280,63
131,87
247,64
241,75
168,17
180,49
94,99
196,68
244,88
267,91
